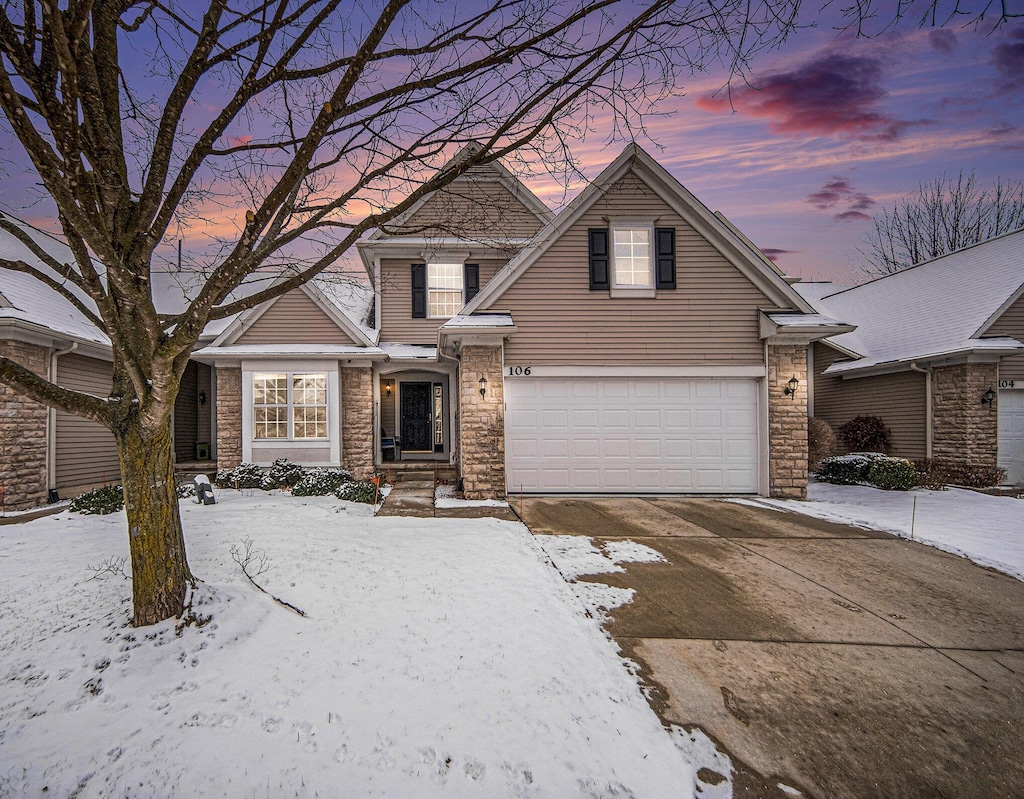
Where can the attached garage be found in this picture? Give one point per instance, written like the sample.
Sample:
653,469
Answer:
632,435
1011,434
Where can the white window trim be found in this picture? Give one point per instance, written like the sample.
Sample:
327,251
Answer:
333,440
630,290
454,257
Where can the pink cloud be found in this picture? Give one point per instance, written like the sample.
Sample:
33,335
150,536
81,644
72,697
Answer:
840,193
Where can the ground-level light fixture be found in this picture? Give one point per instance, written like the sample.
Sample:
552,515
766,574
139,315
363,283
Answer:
483,386
791,386
988,398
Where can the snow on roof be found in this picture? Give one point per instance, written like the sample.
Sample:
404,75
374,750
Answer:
287,350
352,295
405,352
814,291
479,320
930,310
803,319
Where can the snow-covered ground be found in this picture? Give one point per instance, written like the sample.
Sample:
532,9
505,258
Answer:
989,530
439,658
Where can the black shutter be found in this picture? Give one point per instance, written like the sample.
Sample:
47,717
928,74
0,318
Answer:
665,257
598,240
471,280
419,291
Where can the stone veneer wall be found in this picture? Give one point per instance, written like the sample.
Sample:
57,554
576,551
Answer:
229,417
787,422
23,433
482,423
357,421
963,429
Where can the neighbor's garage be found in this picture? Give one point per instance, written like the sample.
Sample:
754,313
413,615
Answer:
631,435
1011,433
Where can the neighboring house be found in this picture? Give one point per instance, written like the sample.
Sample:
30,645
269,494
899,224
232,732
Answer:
635,343
930,343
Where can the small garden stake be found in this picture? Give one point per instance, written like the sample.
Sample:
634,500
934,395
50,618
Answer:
913,518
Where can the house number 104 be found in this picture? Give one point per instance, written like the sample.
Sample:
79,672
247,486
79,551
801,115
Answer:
518,371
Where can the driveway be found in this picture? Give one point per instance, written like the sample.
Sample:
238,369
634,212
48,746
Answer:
839,661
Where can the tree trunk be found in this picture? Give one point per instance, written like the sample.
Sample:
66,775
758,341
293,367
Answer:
160,573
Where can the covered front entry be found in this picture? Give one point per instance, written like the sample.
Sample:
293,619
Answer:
631,435
415,420
1011,434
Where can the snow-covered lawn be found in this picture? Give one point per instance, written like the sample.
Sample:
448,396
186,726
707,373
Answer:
439,658
989,530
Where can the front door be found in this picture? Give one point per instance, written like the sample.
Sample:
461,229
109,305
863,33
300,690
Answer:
417,418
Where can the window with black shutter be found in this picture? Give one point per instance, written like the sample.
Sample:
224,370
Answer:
471,281
419,291
598,241
665,257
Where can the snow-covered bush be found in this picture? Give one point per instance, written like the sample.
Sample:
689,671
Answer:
865,434
245,475
99,501
844,469
282,474
821,441
320,482
185,490
891,474
357,491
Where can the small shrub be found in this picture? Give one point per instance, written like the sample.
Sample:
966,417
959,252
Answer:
99,501
245,475
185,490
865,434
891,474
282,474
938,473
821,441
357,491
320,482
844,469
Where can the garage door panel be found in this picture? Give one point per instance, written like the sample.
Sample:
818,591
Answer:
1011,434
632,435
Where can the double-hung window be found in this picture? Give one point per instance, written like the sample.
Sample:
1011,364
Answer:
444,289
631,257
289,405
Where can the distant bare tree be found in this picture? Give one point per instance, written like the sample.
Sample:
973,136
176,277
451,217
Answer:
944,215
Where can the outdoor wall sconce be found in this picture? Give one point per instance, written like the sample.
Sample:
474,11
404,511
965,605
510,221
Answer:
387,388
202,397
790,389
988,398
483,386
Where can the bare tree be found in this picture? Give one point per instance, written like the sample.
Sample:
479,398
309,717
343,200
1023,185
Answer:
304,123
944,215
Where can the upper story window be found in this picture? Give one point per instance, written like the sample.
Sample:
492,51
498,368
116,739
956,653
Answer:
444,289
632,264
289,406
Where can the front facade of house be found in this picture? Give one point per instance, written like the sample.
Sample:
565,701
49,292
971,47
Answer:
634,344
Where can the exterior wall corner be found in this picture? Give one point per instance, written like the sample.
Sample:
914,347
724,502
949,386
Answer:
23,433
787,422
964,430
482,423
357,421
229,417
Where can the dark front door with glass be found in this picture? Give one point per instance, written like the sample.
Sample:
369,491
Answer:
417,418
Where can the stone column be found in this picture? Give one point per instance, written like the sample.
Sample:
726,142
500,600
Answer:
482,423
787,422
229,417
963,429
357,421
23,433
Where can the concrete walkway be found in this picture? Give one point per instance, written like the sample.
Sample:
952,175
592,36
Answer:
839,661
412,494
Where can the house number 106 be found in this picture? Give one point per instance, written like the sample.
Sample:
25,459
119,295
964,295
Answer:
518,371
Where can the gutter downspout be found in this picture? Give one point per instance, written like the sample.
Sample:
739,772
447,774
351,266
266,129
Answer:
51,419
928,407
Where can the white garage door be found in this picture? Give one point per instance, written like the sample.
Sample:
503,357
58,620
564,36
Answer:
631,435
1011,434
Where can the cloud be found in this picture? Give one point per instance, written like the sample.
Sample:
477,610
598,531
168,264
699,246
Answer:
839,195
943,40
831,94
1008,58
773,253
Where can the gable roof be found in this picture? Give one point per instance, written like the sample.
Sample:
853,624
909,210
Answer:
936,309
737,250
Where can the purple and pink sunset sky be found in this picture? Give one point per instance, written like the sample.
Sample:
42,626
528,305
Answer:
828,131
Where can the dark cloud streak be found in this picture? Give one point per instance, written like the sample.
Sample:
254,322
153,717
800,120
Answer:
840,192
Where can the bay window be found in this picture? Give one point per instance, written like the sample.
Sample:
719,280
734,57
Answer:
289,405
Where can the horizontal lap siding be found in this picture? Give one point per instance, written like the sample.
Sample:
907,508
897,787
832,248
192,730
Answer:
397,323
295,319
710,318
473,205
186,414
899,400
85,450
1011,323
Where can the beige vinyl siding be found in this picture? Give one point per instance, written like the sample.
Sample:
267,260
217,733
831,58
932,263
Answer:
86,454
294,319
387,407
710,318
397,323
473,205
204,429
899,399
1011,323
